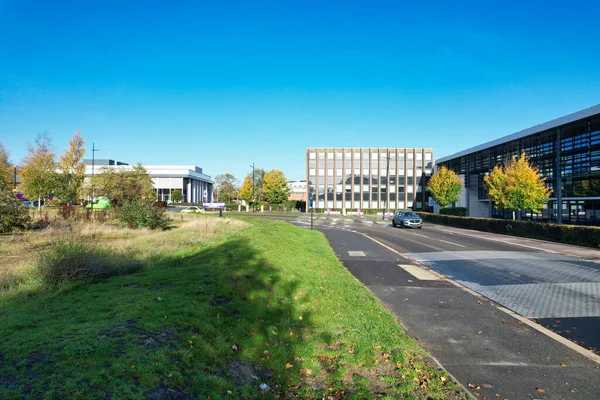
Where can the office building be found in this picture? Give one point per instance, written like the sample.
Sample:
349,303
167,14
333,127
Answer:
195,186
368,178
566,151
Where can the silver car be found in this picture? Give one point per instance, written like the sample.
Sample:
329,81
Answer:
407,219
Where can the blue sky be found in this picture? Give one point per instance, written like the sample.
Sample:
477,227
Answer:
224,84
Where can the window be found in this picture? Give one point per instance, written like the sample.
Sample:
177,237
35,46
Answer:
321,156
330,156
312,156
419,156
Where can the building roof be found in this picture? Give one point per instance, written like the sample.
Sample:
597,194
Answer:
588,112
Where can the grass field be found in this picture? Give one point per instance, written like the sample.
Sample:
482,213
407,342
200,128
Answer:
219,307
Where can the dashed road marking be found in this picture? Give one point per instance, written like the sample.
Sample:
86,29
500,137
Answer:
456,244
418,234
357,254
419,273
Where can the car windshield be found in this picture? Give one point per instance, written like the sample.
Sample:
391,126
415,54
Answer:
411,215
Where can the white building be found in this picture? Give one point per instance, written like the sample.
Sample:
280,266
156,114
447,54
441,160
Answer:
195,186
297,187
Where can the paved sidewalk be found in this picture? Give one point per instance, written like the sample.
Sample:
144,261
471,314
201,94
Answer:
490,352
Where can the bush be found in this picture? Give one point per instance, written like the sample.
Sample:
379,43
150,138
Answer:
76,261
588,236
135,214
458,211
12,214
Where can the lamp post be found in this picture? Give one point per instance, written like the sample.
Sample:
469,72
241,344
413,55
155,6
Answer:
15,180
94,150
252,187
387,185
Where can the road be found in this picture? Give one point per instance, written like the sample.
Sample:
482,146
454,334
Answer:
495,351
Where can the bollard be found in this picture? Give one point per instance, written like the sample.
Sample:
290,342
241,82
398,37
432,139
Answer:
220,212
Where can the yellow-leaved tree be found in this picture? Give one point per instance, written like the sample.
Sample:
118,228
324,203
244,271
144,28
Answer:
38,173
72,171
445,186
517,185
275,187
246,190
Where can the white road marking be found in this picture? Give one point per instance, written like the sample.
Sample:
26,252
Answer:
495,240
357,254
456,244
418,234
419,272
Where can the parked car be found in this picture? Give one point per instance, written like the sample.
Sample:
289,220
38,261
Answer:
407,219
29,203
100,203
193,209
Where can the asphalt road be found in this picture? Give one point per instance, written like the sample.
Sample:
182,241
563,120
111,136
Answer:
492,353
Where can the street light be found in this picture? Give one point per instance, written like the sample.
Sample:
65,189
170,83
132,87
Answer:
252,187
94,150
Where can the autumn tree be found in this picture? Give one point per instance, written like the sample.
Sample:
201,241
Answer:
275,187
38,173
517,185
177,196
123,184
5,169
226,185
72,171
246,190
445,186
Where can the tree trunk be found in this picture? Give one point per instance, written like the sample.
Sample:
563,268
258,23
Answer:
39,205
514,215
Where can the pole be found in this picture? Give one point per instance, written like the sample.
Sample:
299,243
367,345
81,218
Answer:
15,180
252,187
94,150
311,217
387,186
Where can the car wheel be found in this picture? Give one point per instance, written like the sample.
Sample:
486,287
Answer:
394,223
401,224
420,227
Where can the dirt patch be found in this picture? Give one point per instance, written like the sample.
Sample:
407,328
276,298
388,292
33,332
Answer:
169,394
219,301
163,286
246,374
151,340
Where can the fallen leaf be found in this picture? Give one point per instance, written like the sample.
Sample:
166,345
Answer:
300,318
133,367
288,365
443,379
480,332
563,365
540,390
235,348
463,337
416,380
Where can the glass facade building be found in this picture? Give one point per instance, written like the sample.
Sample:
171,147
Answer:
371,178
567,153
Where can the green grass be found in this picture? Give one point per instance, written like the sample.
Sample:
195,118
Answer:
267,302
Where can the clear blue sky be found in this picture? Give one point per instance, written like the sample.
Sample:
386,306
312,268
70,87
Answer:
221,84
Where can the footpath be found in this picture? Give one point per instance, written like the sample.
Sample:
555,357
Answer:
492,352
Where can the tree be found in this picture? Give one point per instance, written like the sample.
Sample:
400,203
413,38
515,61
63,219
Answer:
517,185
38,174
123,184
72,171
226,185
12,214
445,186
5,169
246,190
177,196
275,187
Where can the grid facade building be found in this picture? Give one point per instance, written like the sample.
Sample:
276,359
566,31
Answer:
566,151
368,178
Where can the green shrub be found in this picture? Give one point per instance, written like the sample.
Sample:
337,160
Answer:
588,236
77,261
134,214
458,211
12,214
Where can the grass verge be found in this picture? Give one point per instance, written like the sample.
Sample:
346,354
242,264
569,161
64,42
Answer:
218,308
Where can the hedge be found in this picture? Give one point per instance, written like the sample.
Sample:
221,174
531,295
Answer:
458,211
588,236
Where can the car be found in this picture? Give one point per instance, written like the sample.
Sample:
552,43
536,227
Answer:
29,203
193,209
407,219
